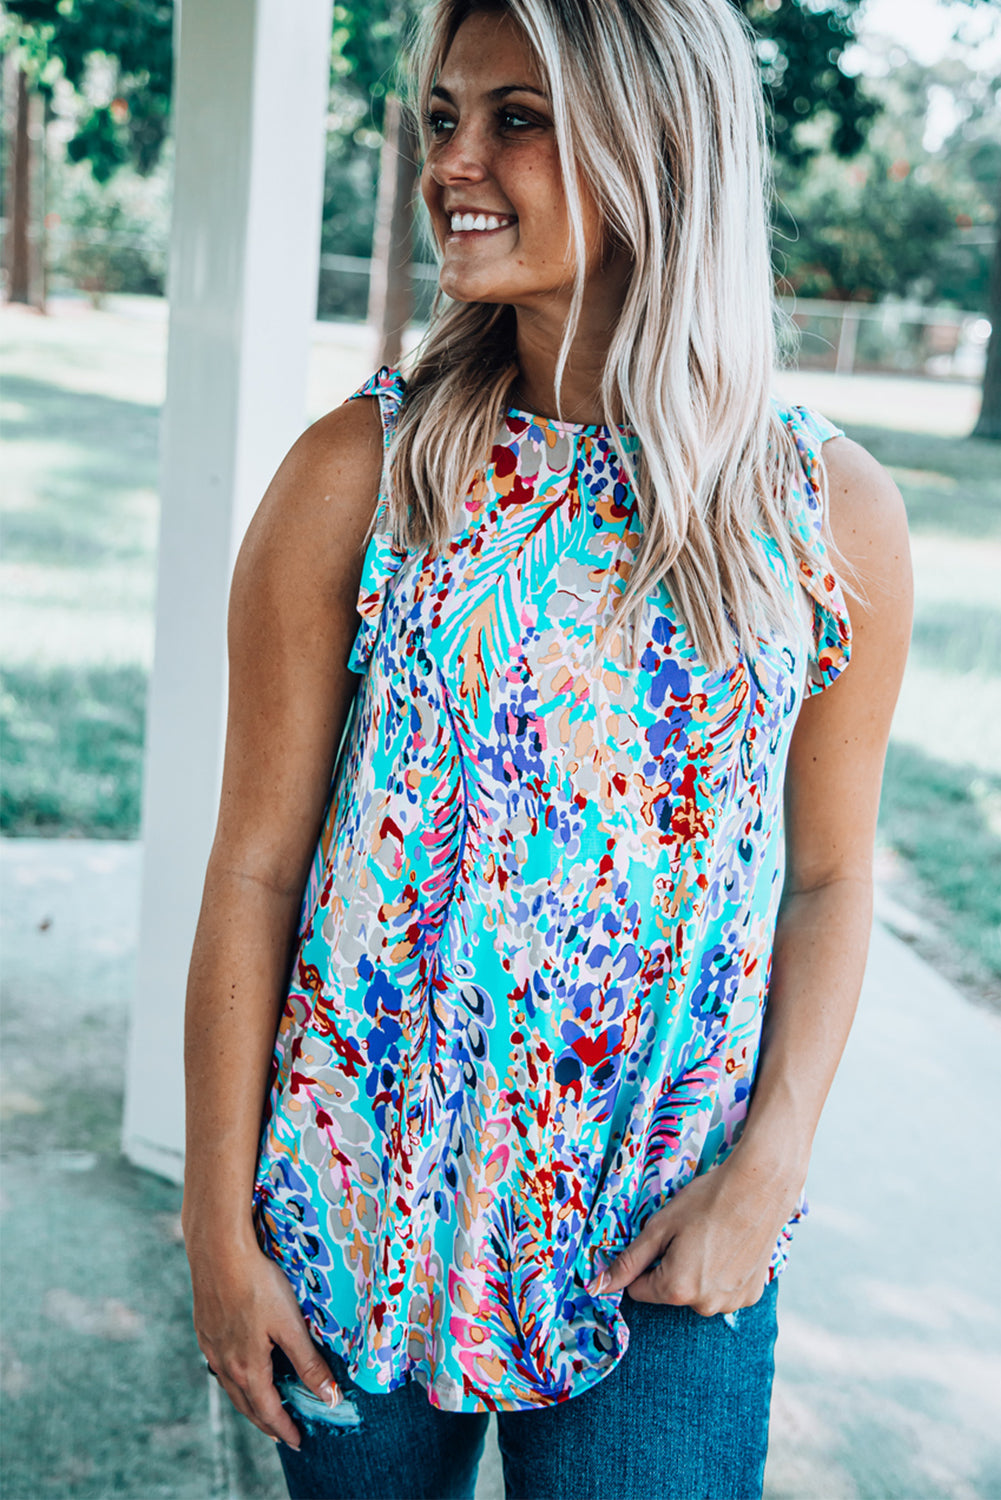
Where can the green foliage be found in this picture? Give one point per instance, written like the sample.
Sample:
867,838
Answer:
110,236
351,180
901,219
368,48
137,37
72,750
368,45
800,45
867,235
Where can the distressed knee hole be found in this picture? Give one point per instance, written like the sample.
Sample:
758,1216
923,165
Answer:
314,1412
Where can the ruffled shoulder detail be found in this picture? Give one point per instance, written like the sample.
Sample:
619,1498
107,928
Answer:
832,632
382,560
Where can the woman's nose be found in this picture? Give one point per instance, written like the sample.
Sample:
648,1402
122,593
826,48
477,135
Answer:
459,158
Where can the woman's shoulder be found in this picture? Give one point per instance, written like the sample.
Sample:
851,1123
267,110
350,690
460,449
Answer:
868,518
347,438
808,426
383,392
863,498
317,510
338,459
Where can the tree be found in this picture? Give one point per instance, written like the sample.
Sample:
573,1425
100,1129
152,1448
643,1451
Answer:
136,36
49,37
989,420
368,43
901,218
391,293
800,46
22,278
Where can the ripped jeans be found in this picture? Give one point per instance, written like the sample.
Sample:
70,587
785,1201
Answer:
682,1416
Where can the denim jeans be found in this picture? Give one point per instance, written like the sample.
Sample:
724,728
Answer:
682,1416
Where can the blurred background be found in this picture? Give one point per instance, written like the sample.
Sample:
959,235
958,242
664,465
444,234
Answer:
886,129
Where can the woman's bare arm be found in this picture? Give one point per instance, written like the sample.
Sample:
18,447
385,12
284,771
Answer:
832,800
716,1236
292,621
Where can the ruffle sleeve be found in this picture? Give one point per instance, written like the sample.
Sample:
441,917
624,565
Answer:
382,560
832,632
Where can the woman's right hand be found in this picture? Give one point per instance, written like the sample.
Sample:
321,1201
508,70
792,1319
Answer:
243,1305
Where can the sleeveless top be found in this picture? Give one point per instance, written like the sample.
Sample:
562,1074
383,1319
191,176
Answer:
535,945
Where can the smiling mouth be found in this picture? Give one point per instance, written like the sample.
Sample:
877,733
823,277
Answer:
480,223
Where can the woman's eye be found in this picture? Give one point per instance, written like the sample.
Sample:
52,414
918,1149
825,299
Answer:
437,123
512,119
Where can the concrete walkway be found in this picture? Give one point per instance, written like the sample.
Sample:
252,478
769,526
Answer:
889,1376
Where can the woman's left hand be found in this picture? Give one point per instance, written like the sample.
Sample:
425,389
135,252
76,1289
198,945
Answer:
714,1238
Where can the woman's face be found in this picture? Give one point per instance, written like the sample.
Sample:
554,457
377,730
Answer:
492,179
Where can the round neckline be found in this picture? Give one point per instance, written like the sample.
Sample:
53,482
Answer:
581,429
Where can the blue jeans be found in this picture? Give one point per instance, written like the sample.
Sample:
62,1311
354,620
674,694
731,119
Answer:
682,1416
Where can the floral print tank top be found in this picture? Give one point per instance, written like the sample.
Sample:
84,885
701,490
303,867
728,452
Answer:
534,948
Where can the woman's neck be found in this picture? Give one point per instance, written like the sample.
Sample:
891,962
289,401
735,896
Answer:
539,335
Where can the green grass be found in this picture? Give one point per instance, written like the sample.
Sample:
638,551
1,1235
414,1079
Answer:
940,811
72,743
80,465
958,637
951,485
944,822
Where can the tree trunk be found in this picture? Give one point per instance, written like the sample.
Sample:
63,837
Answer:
19,189
391,298
989,421
38,259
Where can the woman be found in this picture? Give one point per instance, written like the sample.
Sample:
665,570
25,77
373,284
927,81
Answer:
523,1064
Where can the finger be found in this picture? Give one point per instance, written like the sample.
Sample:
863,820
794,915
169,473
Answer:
632,1262
254,1396
310,1366
285,1430
663,1283
269,1414
655,1285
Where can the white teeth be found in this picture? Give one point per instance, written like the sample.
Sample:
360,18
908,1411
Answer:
463,223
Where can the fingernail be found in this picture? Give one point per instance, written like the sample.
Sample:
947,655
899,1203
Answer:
598,1283
330,1393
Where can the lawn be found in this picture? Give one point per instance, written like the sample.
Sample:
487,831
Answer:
80,420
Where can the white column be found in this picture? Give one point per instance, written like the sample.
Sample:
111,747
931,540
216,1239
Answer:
251,106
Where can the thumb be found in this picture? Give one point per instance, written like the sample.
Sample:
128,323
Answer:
311,1368
633,1260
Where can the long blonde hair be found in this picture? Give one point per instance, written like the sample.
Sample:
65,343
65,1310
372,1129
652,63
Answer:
659,104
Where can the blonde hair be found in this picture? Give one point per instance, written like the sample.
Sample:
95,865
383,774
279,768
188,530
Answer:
658,104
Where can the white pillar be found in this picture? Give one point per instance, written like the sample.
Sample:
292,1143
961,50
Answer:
250,110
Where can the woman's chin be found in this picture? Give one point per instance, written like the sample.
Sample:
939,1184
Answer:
466,285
